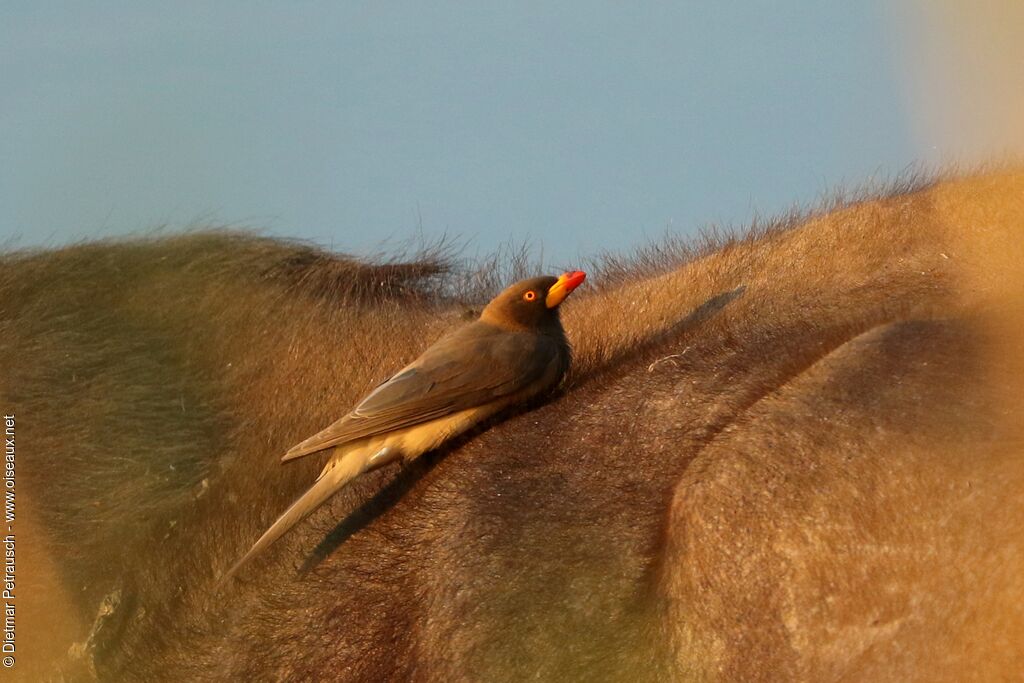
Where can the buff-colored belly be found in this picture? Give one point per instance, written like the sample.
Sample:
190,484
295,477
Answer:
408,443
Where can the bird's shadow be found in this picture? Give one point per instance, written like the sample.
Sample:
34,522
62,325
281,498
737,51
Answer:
698,315
393,491
702,312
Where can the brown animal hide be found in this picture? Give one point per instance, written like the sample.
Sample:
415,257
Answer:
795,454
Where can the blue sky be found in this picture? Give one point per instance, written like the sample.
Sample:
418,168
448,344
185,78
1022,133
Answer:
579,127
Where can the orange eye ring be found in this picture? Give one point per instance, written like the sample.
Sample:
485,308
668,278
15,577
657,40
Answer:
530,296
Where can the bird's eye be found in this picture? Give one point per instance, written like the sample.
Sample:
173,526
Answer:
530,295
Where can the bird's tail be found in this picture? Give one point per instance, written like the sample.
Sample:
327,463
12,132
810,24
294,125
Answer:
335,475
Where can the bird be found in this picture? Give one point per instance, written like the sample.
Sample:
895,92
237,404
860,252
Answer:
515,351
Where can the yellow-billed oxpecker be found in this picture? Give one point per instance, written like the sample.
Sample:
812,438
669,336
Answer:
515,351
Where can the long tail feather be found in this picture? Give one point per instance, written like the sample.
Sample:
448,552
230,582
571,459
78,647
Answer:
334,478
314,444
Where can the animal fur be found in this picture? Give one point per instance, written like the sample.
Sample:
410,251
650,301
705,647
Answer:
793,454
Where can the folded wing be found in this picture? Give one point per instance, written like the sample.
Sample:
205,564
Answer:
475,366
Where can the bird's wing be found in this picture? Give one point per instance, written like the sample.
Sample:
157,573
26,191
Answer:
473,367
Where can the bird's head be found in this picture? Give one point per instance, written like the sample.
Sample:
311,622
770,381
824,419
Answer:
533,303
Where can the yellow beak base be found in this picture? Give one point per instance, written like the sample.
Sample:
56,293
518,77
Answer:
563,287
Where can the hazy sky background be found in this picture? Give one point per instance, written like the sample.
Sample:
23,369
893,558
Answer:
579,126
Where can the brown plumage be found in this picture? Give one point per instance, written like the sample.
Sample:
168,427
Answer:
516,350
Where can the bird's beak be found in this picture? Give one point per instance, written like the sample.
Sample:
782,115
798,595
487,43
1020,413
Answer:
563,287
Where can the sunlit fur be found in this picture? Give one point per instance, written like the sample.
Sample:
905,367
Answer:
790,454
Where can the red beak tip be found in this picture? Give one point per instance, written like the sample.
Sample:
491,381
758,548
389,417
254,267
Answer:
575,277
